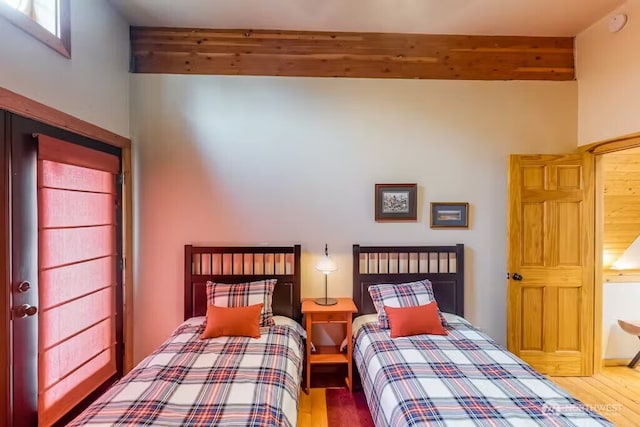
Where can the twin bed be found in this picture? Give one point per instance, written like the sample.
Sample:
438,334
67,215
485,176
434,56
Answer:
462,379
231,381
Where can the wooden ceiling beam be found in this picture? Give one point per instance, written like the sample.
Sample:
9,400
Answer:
362,55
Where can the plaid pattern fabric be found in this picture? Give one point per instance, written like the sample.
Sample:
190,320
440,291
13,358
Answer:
463,379
231,381
244,294
402,295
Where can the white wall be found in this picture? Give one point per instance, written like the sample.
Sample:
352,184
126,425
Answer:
93,85
251,160
608,66
619,301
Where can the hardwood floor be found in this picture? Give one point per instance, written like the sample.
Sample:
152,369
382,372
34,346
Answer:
312,411
614,393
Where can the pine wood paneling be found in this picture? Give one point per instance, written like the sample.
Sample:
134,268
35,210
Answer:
336,54
621,180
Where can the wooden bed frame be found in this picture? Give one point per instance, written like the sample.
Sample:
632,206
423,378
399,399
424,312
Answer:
236,264
442,265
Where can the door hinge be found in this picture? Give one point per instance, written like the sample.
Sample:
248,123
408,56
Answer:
121,179
121,264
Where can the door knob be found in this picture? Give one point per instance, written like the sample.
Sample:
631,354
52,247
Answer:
25,310
517,277
23,287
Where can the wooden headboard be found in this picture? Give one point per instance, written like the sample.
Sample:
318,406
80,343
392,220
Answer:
235,264
442,265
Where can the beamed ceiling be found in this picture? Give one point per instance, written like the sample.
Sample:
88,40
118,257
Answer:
424,39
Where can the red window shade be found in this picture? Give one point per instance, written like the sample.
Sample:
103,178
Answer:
77,274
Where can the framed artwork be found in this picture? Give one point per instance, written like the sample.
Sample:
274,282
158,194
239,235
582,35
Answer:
396,202
449,215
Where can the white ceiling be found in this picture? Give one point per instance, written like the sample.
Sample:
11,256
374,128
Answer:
481,17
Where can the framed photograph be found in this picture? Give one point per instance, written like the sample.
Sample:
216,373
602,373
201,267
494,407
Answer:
396,202
449,215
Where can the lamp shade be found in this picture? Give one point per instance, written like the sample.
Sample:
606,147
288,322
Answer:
326,265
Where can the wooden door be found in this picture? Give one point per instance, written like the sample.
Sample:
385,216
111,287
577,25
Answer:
550,255
24,273
28,321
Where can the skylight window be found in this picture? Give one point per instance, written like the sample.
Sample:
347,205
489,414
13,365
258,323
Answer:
46,20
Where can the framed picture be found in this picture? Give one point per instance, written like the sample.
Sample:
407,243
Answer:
396,202
449,215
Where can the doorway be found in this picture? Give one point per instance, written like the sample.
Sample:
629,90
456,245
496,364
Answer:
57,201
619,219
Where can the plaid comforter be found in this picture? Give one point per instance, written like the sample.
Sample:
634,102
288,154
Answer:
463,379
230,381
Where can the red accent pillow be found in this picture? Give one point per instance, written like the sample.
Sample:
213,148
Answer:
232,321
419,319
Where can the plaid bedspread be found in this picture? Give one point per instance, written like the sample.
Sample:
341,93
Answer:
230,381
463,379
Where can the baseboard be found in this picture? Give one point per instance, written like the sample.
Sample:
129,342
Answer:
616,362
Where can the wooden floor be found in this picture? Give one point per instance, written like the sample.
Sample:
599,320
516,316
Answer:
312,411
614,393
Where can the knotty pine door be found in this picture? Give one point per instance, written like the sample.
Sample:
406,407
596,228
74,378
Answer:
551,238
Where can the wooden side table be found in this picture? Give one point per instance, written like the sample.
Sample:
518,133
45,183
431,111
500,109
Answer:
342,312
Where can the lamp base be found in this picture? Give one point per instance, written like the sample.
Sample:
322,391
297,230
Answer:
326,301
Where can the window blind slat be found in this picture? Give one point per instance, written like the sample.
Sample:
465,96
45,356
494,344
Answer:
69,177
67,320
76,209
60,399
73,352
78,368
51,307
65,246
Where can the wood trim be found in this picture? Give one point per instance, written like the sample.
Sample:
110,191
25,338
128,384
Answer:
598,279
5,265
616,362
127,241
61,43
342,54
589,267
628,276
23,106
613,145
18,104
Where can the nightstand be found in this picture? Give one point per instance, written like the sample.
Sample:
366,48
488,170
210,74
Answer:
341,312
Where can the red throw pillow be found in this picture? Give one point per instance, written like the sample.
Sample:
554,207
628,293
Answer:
420,319
232,321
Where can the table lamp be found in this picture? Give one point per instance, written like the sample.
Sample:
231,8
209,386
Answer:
327,266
